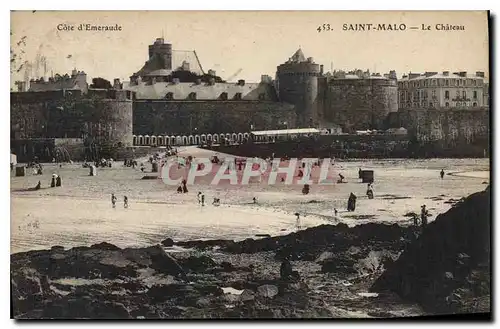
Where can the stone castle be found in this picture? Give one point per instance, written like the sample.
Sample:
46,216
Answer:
164,98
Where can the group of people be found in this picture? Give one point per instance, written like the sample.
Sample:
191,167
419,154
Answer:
114,199
201,200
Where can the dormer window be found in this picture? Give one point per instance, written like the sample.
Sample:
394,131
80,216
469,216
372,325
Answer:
192,96
223,96
169,96
237,96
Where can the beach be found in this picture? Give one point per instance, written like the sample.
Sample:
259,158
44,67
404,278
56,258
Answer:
80,212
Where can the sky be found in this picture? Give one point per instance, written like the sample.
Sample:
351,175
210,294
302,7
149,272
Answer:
255,42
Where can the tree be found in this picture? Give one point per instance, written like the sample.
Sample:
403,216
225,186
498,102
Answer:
100,83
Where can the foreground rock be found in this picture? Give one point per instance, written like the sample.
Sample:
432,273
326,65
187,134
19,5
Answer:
324,271
447,270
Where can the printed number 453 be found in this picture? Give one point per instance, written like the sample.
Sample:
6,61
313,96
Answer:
324,27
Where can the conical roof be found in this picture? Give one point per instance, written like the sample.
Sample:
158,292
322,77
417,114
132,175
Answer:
298,56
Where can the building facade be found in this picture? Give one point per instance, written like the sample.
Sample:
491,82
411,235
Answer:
441,90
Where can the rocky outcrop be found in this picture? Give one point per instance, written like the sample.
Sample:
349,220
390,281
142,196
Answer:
310,273
447,269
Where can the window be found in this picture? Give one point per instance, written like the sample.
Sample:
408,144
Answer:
431,104
447,94
447,104
464,94
446,82
474,104
458,93
475,94
433,82
434,93
474,82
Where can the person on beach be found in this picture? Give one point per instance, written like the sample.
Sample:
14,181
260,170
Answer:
53,181
442,173
216,202
199,197
38,186
369,191
423,215
113,200
360,173
297,220
125,202
254,200
351,203
202,199
341,180
335,211
58,181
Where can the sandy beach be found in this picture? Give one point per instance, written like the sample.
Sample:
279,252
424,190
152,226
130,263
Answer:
80,212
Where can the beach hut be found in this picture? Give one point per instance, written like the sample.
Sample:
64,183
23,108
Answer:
367,176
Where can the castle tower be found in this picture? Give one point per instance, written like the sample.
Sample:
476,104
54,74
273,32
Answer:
297,83
162,50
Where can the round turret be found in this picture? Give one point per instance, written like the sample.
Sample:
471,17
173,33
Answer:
297,83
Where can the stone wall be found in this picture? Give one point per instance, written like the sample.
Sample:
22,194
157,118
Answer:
198,117
359,104
68,114
448,127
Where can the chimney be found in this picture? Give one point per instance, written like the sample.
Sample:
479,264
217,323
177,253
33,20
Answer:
480,74
321,69
117,84
211,73
211,82
175,81
74,72
310,60
446,73
198,82
463,74
241,82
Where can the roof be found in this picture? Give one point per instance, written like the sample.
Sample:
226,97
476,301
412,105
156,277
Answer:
298,56
155,63
286,132
441,76
181,91
69,83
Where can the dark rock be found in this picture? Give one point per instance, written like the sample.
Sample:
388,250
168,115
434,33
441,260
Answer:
57,248
227,267
104,246
167,242
164,263
247,295
199,264
286,270
420,273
